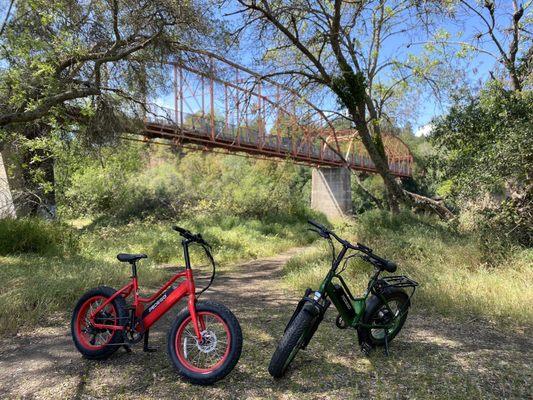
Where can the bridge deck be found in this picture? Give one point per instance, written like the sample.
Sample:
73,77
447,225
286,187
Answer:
201,131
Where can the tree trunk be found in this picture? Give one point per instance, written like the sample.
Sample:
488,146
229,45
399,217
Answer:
374,199
35,192
38,191
395,193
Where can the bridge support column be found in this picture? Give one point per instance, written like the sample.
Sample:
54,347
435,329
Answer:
331,191
7,209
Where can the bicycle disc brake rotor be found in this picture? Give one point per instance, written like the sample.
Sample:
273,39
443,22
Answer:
207,345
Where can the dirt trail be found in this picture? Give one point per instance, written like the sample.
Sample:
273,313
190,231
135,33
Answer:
432,358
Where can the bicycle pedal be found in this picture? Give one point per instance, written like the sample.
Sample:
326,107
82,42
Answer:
127,348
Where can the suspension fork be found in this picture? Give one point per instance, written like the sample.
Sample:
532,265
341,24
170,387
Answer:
198,323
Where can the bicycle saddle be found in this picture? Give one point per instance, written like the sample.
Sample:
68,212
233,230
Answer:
131,258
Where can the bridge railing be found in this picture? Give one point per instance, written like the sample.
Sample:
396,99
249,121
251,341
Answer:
209,130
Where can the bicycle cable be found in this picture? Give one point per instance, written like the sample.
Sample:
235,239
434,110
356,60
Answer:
213,264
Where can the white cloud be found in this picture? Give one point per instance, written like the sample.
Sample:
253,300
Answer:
424,130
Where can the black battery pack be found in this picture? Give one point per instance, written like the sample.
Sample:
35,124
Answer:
345,302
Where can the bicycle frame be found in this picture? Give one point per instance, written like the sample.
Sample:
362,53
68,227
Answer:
327,288
161,302
358,304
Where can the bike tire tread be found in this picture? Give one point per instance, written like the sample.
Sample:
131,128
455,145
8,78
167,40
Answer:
292,335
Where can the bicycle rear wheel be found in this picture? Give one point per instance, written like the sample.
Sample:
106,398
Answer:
91,342
392,312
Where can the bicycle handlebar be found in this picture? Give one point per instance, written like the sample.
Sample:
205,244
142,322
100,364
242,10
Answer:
190,236
371,257
207,248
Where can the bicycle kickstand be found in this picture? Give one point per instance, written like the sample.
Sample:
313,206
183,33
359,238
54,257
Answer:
146,348
386,351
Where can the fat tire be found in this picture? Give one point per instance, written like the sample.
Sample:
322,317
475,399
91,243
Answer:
291,338
374,303
120,307
235,346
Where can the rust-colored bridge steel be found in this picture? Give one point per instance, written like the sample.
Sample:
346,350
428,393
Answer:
218,105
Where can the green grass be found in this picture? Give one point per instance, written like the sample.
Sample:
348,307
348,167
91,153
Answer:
36,236
36,286
456,276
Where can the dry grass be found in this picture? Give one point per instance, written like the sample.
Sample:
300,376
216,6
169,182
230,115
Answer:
456,277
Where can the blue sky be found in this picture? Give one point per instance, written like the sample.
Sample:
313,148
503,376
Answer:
475,70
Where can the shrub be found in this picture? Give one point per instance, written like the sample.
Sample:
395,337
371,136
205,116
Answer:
485,152
163,185
31,235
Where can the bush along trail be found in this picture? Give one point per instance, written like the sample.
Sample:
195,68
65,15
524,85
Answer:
432,357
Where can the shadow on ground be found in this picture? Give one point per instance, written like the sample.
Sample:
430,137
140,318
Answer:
432,357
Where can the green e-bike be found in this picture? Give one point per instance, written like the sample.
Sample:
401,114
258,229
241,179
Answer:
377,316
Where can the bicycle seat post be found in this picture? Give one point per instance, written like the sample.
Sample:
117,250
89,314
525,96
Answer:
133,269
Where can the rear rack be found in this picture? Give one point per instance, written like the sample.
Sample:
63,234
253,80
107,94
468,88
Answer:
399,281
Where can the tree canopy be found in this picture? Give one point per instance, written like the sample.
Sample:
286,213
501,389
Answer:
68,61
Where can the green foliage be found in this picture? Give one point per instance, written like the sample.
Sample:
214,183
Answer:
361,201
427,174
137,183
453,270
52,53
103,187
486,155
37,236
487,140
350,88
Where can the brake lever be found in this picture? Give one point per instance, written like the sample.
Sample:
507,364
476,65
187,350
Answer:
202,241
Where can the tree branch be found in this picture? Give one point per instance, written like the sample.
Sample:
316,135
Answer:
46,105
6,19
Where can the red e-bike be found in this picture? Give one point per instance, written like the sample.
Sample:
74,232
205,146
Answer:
204,342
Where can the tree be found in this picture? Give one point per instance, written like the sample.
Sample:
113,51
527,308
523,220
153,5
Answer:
83,68
61,51
340,46
515,33
501,33
486,147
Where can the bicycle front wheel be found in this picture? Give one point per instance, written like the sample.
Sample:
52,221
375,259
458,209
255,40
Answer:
216,355
291,342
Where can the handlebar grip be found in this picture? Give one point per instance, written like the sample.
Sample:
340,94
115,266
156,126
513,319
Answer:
386,264
182,231
200,239
317,225
189,235
392,267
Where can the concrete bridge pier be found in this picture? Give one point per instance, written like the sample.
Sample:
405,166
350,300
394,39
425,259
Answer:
7,209
331,191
